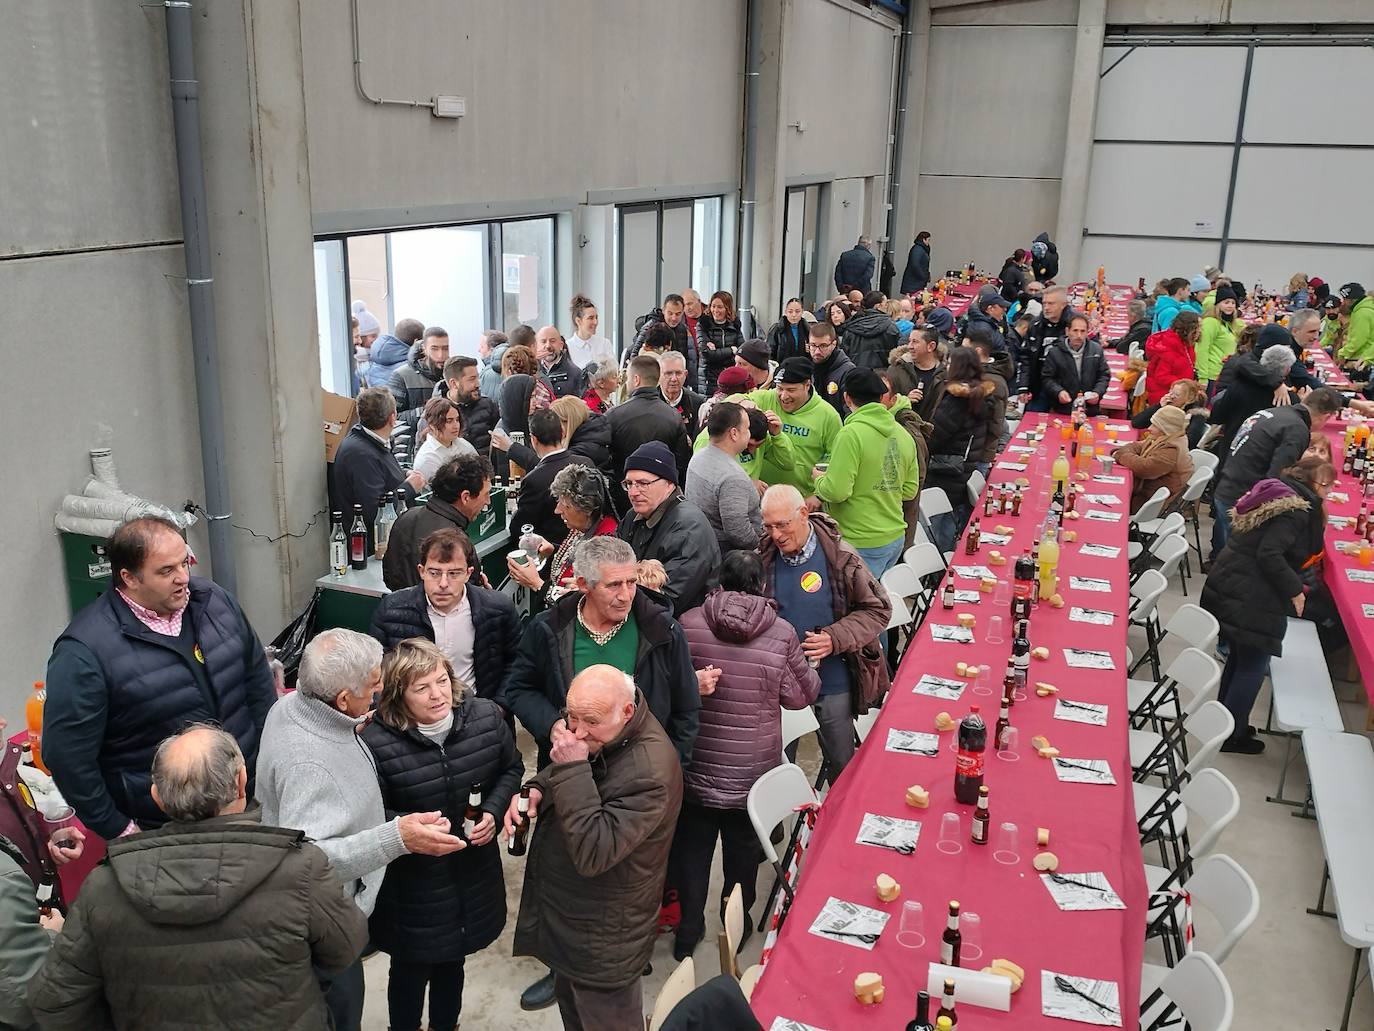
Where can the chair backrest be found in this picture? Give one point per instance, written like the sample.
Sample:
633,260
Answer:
1152,507
732,930
1146,591
677,987
1212,802
901,615
1194,624
903,581
1197,483
1170,551
1220,886
1171,524
1204,459
924,558
863,724
918,536
797,723
1201,992
750,979
1198,676
934,501
976,482
1211,725
774,797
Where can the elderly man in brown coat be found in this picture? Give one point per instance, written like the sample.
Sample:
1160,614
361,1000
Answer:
607,806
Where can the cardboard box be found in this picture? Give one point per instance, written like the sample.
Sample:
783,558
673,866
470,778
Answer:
340,413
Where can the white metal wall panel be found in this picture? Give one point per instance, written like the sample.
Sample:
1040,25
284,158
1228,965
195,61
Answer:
1273,263
1304,194
1310,95
1158,191
1127,259
1166,93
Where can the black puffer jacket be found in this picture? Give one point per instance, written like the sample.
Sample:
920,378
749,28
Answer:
1012,280
869,337
786,340
685,543
978,317
1137,334
412,385
1243,388
717,343
1001,373
564,378
960,434
683,343
401,561
480,417
437,909
1061,373
593,442
495,625
1266,443
1044,334
917,272
538,683
642,417
1275,529
1045,267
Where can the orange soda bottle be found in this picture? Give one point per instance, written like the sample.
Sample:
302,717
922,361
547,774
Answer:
33,715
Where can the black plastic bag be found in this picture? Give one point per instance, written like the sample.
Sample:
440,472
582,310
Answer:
288,646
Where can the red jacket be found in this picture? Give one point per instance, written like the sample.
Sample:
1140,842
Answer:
1170,360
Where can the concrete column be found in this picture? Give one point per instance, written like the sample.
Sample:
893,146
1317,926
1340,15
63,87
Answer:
257,172
1078,145
912,128
770,196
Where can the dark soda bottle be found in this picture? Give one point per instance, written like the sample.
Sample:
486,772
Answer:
968,760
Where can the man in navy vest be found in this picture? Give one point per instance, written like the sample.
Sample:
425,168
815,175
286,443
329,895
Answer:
160,650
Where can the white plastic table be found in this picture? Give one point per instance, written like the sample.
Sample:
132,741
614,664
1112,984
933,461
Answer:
1301,695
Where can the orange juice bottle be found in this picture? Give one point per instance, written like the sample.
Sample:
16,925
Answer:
33,715
1085,445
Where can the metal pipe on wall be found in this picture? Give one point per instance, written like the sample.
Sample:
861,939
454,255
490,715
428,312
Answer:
898,121
200,282
753,57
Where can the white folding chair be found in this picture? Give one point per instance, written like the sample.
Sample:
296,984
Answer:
796,724
1159,812
1169,552
1203,459
776,796
1145,595
679,985
1212,803
1223,889
903,581
731,932
1194,677
1193,625
1190,504
749,980
1153,533
1196,988
975,485
1152,507
864,723
934,501
901,616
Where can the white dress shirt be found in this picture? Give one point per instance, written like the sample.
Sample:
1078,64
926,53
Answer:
454,635
595,348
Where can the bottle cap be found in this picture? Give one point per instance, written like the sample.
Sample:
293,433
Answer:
973,707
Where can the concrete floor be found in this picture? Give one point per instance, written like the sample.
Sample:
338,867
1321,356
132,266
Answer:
1289,971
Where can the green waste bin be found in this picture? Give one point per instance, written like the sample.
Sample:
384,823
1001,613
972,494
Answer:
87,568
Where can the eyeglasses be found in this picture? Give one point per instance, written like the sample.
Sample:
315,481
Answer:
445,575
631,486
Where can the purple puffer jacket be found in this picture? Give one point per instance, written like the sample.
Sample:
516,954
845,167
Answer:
762,670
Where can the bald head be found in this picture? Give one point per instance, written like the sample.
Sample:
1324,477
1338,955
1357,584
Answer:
548,344
601,700
199,773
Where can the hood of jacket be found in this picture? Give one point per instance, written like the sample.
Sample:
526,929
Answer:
737,617
493,358
1045,239
1268,499
999,364
389,350
961,389
900,353
871,322
1248,367
189,874
515,402
874,416
1274,335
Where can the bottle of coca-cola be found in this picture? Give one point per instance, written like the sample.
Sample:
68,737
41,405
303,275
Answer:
968,760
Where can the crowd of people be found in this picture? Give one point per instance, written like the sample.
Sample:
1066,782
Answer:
713,516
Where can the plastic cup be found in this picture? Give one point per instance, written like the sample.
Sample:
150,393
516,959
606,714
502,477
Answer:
60,819
1001,595
971,928
1108,460
911,926
1011,739
996,625
1008,844
519,556
951,841
983,685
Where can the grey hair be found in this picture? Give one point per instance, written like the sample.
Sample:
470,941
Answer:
1055,291
1278,359
674,356
338,660
782,494
603,373
1135,310
581,486
1302,317
201,785
594,555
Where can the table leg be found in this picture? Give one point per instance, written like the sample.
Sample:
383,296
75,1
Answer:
1321,909
1278,796
1350,993
1306,812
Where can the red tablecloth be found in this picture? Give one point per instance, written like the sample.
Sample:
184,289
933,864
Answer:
1327,370
1349,595
1093,827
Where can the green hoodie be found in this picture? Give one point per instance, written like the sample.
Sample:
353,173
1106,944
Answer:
872,471
774,457
1359,335
811,429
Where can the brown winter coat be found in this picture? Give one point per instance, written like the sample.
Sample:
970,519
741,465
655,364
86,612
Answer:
599,856
862,610
1156,463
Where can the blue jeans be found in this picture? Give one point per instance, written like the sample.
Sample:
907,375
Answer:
1038,403
1221,526
1240,685
882,558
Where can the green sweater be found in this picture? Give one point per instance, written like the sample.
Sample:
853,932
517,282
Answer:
1359,335
872,471
1214,346
811,429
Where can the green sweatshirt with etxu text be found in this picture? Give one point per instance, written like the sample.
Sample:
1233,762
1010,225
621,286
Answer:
812,429
872,471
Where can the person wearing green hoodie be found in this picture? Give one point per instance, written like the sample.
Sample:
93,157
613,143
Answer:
1220,328
872,470
1359,334
809,423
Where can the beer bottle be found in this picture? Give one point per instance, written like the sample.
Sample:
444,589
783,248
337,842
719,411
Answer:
1003,716
971,538
522,824
979,835
1070,498
357,540
472,816
1020,654
1008,691
921,1022
946,1012
1348,465
338,544
988,500
968,758
1016,502
1361,520
947,594
1003,500
952,939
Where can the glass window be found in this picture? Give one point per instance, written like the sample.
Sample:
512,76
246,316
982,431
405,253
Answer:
332,319
439,276
527,273
706,245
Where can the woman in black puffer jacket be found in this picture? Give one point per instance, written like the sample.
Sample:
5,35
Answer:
432,742
958,440
718,338
1256,583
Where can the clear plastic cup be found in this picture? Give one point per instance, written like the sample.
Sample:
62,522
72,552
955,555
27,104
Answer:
1008,847
951,835
971,930
1011,739
996,630
1001,596
911,926
983,684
